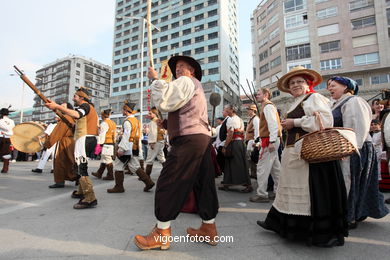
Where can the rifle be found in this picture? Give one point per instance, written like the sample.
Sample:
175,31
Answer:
39,93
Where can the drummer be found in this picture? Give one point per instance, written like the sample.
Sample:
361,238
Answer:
6,126
85,135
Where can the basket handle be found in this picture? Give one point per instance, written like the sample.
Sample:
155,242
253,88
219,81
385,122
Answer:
319,120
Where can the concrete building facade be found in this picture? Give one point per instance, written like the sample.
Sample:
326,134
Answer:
60,79
347,38
204,29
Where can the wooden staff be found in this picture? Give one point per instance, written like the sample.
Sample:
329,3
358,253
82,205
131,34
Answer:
39,93
149,28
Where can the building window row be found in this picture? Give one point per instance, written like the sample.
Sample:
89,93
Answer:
294,5
330,64
326,13
360,4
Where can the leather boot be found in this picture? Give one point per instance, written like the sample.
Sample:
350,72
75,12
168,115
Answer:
89,200
100,171
78,194
149,168
5,166
158,238
145,179
141,162
206,231
110,172
118,188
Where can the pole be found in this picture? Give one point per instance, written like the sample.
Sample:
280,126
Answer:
141,84
21,105
149,27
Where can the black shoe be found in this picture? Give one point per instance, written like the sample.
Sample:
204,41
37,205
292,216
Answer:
331,243
85,205
263,225
387,201
57,185
77,196
37,170
352,225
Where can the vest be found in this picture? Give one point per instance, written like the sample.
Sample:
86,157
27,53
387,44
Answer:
337,115
87,125
250,130
264,132
296,132
135,132
110,135
192,118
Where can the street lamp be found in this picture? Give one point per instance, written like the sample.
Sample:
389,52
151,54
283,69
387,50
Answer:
144,21
22,98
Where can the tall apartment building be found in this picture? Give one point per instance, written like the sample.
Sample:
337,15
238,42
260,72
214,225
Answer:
347,38
60,79
203,29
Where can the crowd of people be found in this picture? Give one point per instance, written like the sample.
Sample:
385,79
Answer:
315,202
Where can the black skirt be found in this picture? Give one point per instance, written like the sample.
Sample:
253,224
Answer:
328,220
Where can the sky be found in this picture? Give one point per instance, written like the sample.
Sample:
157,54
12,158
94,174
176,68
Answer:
37,32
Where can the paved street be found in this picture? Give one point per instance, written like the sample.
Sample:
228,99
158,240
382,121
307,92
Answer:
39,223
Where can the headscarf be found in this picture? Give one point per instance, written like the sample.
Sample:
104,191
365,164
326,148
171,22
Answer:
348,82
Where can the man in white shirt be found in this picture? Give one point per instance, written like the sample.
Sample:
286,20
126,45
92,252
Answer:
270,133
251,133
6,126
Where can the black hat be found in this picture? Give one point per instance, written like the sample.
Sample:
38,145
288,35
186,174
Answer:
128,106
193,63
106,112
5,111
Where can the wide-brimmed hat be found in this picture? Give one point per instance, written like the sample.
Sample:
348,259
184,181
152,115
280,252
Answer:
83,92
128,106
5,111
107,112
313,75
252,107
193,63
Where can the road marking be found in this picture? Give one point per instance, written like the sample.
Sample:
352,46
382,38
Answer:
367,241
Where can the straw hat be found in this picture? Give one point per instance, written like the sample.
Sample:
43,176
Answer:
298,71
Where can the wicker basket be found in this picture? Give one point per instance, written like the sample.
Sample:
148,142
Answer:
325,145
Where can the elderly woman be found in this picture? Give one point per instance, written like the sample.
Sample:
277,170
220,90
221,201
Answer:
311,199
236,166
360,172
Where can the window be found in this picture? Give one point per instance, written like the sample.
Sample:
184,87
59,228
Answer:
263,55
213,58
77,72
199,39
187,21
175,45
213,47
330,46
213,35
360,4
187,42
330,64
380,79
212,24
164,19
123,88
187,53
199,6
274,48
272,6
275,62
264,69
174,35
186,1
115,89
199,50
365,59
78,65
211,2
295,20
294,5
187,31
199,17
298,52
163,48
326,13
363,22
124,78
176,14
388,16
187,10
164,28
328,29
212,13
175,25
213,71
164,38
297,36
272,20
365,40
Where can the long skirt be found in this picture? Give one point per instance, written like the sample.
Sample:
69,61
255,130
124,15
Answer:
328,201
236,167
365,199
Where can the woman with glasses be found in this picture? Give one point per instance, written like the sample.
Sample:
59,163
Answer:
311,200
360,171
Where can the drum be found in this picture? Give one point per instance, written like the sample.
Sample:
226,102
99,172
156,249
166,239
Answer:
25,137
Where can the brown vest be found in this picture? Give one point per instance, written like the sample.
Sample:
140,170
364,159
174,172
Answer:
135,132
250,130
110,135
264,132
87,125
192,118
296,132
